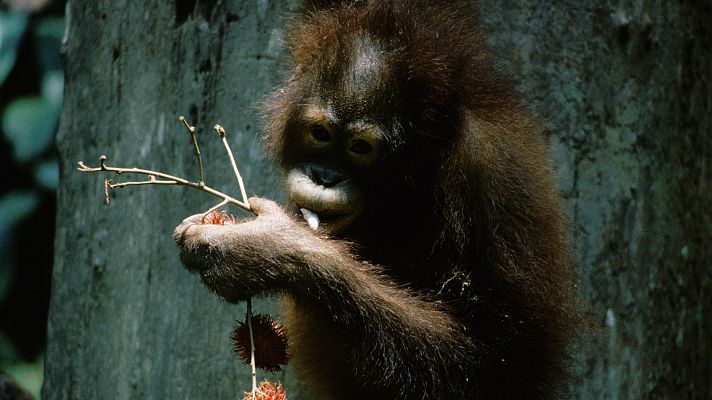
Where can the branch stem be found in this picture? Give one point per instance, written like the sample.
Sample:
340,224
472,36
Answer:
81,167
253,365
149,182
215,207
194,139
221,131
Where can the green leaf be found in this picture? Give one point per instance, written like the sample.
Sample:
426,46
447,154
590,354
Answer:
53,88
7,276
29,123
8,351
14,207
47,175
48,34
12,26
28,375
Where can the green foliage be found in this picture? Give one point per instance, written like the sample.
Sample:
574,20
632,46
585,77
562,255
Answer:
14,207
12,27
31,92
48,34
28,124
47,175
28,121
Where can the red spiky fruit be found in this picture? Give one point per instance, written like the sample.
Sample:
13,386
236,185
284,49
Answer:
267,391
216,217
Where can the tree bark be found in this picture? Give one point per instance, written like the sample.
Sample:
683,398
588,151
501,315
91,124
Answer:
127,320
623,90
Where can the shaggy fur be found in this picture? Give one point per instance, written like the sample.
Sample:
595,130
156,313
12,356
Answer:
456,280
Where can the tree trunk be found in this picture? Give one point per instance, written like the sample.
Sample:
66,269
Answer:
625,90
127,320
625,94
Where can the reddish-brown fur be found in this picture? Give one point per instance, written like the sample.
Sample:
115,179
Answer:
457,282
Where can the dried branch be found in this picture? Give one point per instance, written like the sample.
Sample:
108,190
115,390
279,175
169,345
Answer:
194,139
221,131
253,364
167,180
160,178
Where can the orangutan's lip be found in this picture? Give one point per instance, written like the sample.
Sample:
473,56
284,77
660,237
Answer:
325,210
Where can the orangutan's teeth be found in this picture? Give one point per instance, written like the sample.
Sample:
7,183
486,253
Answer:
311,218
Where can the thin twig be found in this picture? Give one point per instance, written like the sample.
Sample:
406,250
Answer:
253,364
221,131
107,181
178,181
215,207
194,139
148,182
167,179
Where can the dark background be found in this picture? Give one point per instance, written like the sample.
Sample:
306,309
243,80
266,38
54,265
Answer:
31,80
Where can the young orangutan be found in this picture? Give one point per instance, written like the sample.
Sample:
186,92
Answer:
440,266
